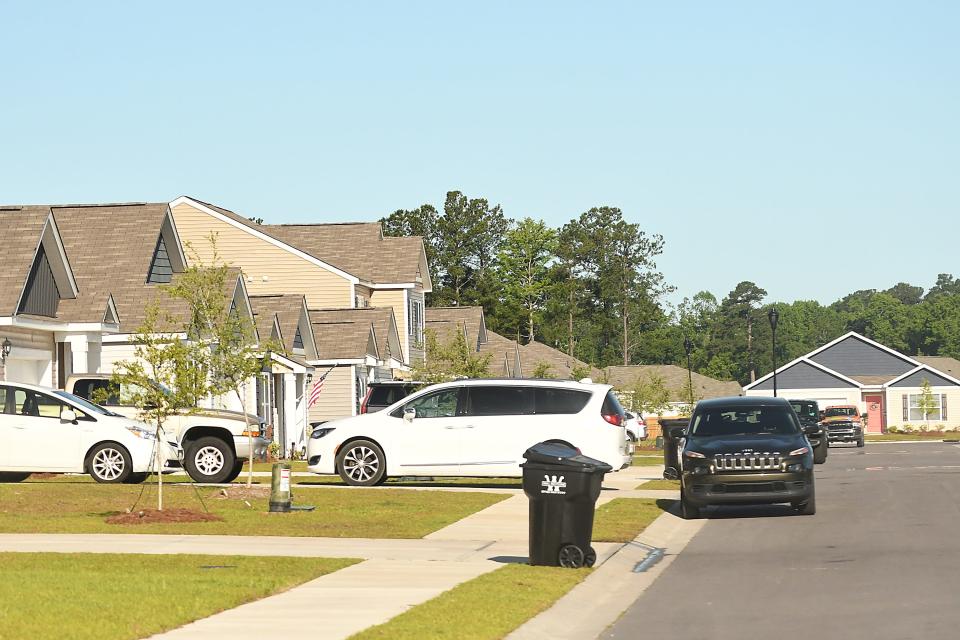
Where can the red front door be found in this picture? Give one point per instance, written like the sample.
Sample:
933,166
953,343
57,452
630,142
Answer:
875,412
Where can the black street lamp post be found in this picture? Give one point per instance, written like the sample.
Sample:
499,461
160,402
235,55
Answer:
688,347
774,316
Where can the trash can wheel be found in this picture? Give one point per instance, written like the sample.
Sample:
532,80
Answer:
591,558
571,556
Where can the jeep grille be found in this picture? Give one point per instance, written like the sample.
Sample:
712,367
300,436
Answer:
747,461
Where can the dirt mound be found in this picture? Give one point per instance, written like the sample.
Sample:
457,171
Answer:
241,493
152,516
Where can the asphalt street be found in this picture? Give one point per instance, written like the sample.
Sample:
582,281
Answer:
880,559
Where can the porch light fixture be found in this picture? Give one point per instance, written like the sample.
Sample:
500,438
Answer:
774,317
5,349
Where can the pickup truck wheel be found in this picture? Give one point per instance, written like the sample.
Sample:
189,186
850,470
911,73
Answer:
209,460
860,442
235,473
13,477
109,463
362,463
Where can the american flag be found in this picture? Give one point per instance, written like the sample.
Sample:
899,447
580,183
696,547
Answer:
317,388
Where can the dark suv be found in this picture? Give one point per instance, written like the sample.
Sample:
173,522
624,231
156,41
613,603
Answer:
744,450
381,395
809,413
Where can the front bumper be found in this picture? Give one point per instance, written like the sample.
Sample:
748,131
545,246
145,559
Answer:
845,435
747,488
241,445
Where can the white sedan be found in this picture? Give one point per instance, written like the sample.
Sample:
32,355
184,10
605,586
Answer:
50,431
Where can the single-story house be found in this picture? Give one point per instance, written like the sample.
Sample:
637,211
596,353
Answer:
883,383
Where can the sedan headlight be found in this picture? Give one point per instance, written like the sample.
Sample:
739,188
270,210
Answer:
319,432
140,432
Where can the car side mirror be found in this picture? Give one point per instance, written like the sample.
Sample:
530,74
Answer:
677,432
68,415
409,414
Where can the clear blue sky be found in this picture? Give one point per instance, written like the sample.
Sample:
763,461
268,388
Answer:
811,147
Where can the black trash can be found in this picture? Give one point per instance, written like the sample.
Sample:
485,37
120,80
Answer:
563,486
671,461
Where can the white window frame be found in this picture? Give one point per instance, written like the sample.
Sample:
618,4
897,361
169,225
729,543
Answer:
916,414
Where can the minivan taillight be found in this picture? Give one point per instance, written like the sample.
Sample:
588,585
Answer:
614,418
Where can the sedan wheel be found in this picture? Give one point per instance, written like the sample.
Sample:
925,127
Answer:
362,463
109,463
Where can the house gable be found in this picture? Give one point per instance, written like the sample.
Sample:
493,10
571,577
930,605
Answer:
854,356
161,272
916,379
803,375
41,297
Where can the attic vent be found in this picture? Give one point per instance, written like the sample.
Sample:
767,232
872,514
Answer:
41,295
298,340
160,269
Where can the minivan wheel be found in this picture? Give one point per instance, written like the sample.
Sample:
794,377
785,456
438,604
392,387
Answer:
209,460
13,477
109,463
362,463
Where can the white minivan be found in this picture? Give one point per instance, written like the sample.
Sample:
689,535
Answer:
45,430
471,428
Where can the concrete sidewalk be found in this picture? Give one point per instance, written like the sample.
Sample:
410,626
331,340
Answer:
397,574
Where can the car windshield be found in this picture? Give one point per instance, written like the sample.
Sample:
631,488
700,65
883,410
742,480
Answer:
86,404
744,421
805,409
833,412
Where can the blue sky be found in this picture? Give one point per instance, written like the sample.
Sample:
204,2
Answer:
810,147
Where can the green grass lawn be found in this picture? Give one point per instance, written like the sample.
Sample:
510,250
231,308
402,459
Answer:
893,437
82,507
669,485
487,607
90,596
647,460
622,519
295,465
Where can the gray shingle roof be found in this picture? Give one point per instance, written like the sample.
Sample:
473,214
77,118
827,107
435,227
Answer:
20,240
675,380
286,307
342,334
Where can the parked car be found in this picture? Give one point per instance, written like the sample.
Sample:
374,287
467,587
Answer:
215,442
49,431
384,393
471,428
809,413
744,450
843,424
636,427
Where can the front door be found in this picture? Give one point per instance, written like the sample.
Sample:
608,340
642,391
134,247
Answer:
431,443
875,411
36,438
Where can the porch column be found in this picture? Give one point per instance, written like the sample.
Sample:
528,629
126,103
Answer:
79,353
292,427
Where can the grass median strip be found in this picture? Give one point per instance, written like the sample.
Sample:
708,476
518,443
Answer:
360,513
647,460
622,519
89,596
487,607
910,437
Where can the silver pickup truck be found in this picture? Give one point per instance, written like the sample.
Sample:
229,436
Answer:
215,442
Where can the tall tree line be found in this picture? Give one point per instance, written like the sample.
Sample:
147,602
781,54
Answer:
591,288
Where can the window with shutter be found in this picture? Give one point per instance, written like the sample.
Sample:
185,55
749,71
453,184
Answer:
943,406
906,408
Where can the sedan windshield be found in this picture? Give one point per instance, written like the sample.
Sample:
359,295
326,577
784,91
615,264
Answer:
744,421
89,406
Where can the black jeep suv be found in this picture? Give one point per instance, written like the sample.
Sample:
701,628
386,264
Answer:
744,450
809,413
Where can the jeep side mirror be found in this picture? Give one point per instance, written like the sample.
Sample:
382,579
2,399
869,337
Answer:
68,415
677,432
409,414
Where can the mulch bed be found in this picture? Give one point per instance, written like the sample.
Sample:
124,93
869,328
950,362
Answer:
152,516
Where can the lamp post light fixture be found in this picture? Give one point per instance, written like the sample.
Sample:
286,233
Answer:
774,317
688,347
5,349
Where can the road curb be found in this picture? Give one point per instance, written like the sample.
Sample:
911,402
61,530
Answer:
614,585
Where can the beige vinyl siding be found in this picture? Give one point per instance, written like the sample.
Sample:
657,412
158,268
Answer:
284,271
113,352
30,339
894,400
397,299
336,399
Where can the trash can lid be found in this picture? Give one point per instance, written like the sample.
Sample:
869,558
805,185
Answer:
560,454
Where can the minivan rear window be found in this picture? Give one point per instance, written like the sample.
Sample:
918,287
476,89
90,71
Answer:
611,405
